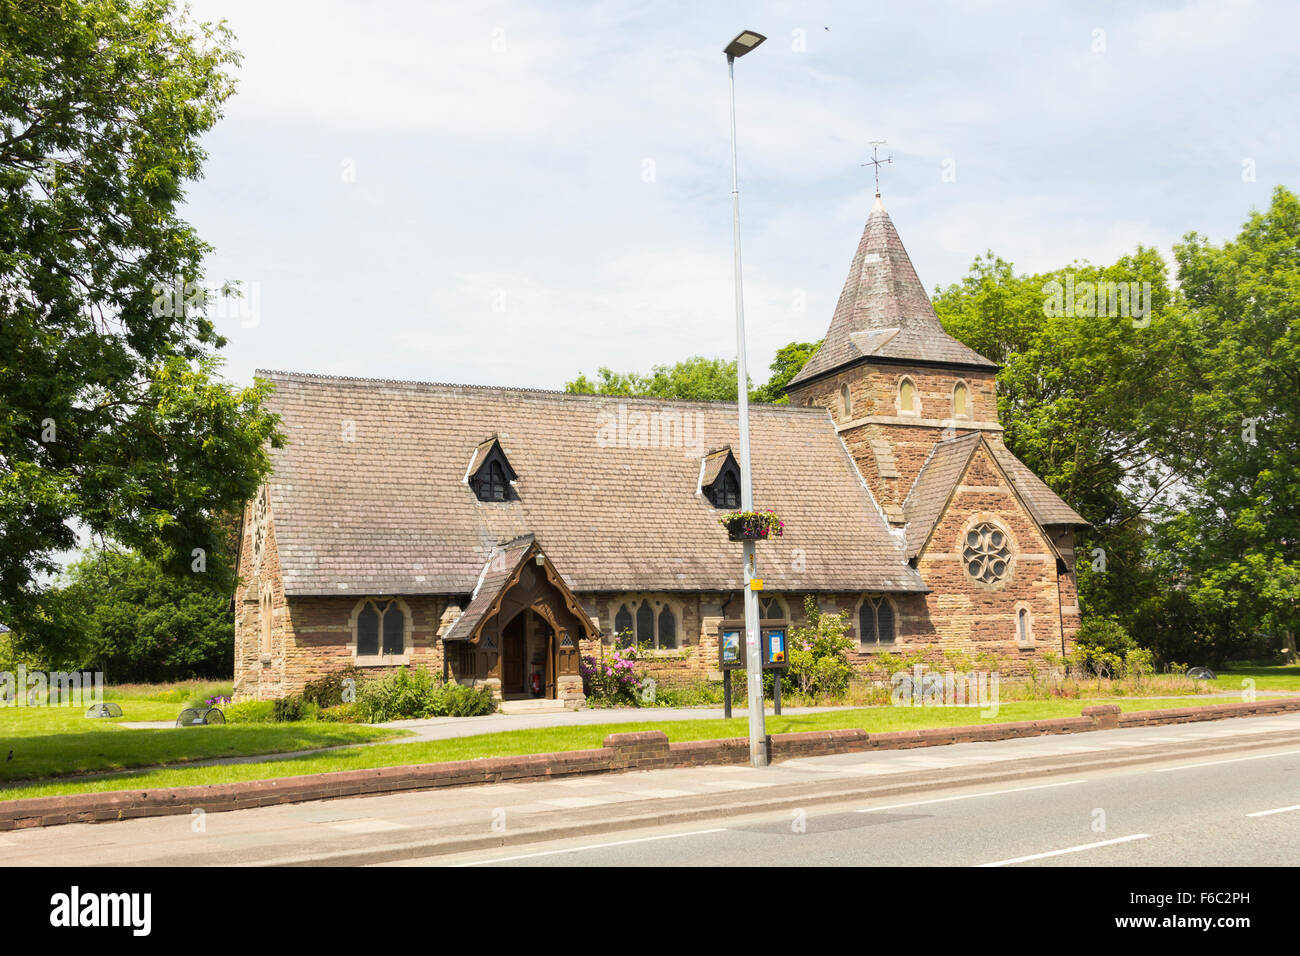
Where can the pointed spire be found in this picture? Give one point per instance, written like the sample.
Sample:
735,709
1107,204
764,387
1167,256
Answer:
883,309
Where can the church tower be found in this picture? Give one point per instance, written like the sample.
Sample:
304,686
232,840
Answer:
894,381
918,412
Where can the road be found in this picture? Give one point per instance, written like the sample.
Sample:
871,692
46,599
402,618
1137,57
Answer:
1174,794
1235,811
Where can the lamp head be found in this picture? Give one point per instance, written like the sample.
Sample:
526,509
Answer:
745,41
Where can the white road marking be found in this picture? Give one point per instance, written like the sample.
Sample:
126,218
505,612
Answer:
593,846
967,796
1068,849
1215,763
1266,813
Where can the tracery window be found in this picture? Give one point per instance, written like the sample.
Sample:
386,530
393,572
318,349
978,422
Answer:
986,553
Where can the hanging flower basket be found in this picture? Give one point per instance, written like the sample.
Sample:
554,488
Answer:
752,525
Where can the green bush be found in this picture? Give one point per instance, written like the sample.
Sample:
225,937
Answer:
398,696
456,700
409,694
339,713
292,709
819,653
250,712
1101,648
337,687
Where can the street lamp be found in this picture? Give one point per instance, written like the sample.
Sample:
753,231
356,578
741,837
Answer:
738,47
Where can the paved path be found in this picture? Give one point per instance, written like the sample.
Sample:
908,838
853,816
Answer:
416,825
442,728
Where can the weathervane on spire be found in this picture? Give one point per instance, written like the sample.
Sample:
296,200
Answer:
877,162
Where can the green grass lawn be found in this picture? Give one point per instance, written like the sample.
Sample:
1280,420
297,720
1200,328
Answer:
1265,677
55,741
872,719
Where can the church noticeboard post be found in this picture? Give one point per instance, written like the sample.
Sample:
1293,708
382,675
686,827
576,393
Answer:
731,656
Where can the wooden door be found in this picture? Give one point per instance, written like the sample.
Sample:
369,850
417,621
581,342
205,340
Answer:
514,649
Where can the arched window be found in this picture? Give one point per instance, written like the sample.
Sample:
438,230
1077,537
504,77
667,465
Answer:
1023,632
492,484
381,629
727,491
876,626
908,403
368,631
846,401
960,401
771,609
623,626
645,624
667,628
265,606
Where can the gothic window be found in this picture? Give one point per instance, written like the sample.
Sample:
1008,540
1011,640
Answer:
636,622
265,606
1024,634
876,626
667,628
492,483
623,626
727,491
771,609
645,624
368,631
381,629
846,401
986,553
908,403
960,401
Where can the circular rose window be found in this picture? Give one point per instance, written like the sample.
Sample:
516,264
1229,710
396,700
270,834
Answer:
986,553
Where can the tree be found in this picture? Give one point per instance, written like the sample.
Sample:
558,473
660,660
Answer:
697,379
1235,544
1085,398
141,624
790,360
111,411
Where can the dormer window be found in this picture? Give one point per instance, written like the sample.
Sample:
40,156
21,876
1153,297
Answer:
720,479
490,474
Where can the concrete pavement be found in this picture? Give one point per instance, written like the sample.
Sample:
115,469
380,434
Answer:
431,824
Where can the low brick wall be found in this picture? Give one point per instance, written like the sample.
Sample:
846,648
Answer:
642,750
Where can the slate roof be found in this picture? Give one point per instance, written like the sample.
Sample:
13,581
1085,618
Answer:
943,470
500,566
1047,506
389,512
933,486
883,311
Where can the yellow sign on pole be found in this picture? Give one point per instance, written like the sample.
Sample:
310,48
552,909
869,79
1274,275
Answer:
756,584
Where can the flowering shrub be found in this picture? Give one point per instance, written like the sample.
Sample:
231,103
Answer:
819,653
221,700
752,524
612,681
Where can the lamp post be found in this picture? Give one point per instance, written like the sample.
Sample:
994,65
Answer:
738,47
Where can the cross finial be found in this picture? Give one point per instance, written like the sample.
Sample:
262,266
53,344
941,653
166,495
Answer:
877,162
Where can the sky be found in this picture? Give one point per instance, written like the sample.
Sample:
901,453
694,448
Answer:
508,193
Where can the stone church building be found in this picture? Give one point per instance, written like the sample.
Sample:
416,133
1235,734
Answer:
496,535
